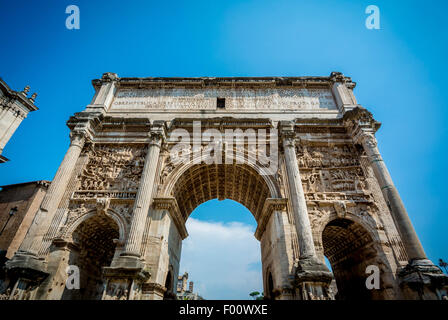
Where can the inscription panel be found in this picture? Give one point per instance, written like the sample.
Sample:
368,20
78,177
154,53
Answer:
236,99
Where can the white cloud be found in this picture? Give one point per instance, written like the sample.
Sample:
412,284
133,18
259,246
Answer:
223,259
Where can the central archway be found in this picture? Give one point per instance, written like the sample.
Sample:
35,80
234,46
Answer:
194,184
221,255
238,182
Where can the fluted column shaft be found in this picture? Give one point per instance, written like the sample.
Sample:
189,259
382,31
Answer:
405,228
143,197
300,211
43,217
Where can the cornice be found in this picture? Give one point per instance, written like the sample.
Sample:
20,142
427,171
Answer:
171,205
39,183
270,205
279,81
13,96
360,119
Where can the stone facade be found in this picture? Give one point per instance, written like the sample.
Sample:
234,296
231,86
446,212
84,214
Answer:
118,203
14,107
18,205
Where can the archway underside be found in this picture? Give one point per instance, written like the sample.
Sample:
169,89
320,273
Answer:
349,248
94,249
341,237
240,183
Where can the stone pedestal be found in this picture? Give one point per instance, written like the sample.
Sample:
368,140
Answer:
27,274
124,283
313,280
425,279
153,291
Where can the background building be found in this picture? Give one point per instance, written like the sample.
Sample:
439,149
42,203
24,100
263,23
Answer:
184,292
18,205
14,107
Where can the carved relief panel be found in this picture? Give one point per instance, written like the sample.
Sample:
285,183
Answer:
338,184
334,182
334,168
112,171
109,180
117,290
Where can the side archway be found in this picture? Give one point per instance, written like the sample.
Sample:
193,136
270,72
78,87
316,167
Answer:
92,248
350,248
169,285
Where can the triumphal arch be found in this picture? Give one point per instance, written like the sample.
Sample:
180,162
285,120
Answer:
299,152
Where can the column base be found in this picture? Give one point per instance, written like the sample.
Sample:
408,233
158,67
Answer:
124,282
24,272
128,262
422,279
154,291
284,293
27,266
313,280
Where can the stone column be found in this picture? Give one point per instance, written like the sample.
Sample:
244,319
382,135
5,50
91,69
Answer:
312,277
300,212
420,278
407,232
41,223
144,196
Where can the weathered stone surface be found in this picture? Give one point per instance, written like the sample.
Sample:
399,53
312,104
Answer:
18,205
119,202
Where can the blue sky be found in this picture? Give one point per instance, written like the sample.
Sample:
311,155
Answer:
221,254
400,70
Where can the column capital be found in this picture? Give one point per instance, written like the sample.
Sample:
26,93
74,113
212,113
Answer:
109,77
360,118
83,128
366,138
157,134
84,124
288,133
78,138
106,78
339,77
